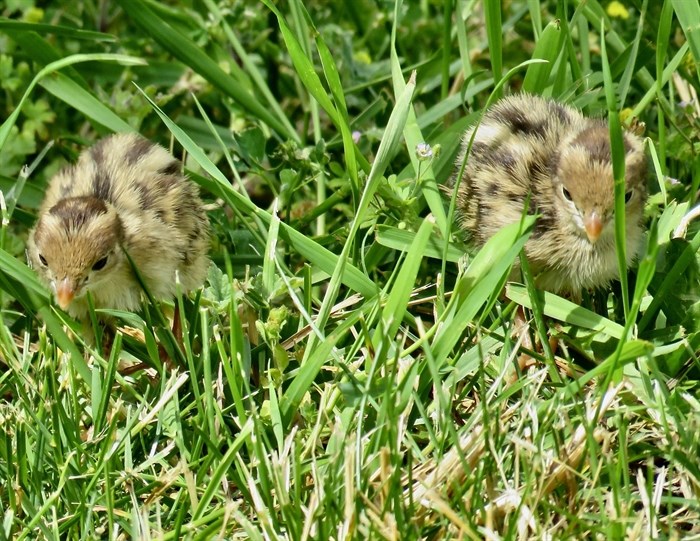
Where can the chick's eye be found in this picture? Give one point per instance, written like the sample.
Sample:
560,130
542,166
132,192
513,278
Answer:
566,194
628,196
99,264
42,260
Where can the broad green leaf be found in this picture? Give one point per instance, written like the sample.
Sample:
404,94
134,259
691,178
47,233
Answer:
548,49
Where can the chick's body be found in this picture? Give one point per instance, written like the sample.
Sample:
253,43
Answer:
537,152
124,194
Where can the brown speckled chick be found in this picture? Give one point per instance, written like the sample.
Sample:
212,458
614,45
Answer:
531,146
125,193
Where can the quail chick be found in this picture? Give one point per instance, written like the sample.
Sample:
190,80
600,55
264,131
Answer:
537,152
125,194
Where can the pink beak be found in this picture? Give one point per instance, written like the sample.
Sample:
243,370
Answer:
65,291
593,225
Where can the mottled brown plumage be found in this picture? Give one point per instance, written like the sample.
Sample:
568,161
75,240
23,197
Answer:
124,194
534,151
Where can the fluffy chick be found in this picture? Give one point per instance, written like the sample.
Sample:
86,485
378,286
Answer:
125,194
537,152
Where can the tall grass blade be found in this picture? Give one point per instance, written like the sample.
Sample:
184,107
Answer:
618,162
494,33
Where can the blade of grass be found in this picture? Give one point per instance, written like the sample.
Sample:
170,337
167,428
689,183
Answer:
651,94
618,162
464,9
301,31
679,267
12,26
24,276
443,108
191,55
626,79
67,90
335,85
447,7
564,310
688,14
268,270
575,55
596,16
629,353
307,74
537,312
494,33
401,239
535,10
250,66
396,304
42,53
306,376
663,38
55,66
304,67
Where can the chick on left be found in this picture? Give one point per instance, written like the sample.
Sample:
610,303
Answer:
124,195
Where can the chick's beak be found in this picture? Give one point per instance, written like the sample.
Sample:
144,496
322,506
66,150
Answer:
593,225
65,291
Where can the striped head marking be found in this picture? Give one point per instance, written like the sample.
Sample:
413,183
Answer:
74,245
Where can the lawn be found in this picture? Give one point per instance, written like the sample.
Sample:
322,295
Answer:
351,368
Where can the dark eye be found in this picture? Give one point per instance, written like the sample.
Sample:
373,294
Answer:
99,264
566,194
42,260
628,196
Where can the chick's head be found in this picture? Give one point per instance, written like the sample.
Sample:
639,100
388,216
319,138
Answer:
584,183
75,247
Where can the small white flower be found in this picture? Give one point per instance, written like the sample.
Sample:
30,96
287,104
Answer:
424,151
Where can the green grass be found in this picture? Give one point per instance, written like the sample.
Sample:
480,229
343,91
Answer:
350,368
